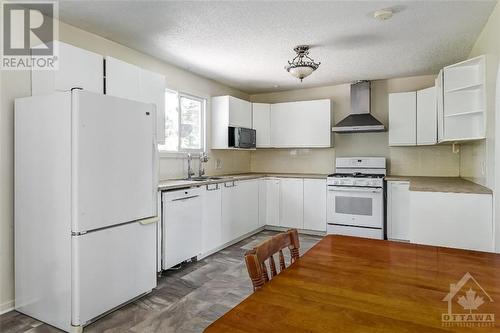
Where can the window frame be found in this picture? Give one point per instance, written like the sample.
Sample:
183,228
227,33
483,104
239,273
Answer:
182,152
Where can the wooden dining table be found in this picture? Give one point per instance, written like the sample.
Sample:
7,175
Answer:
349,284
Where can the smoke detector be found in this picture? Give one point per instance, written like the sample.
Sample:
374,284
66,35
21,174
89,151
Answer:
383,14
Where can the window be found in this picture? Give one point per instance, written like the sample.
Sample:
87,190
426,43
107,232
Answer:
184,123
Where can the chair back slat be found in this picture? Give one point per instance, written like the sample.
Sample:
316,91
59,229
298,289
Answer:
282,260
272,264
256,258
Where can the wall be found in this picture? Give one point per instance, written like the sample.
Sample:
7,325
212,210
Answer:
478,159
17,84
429,161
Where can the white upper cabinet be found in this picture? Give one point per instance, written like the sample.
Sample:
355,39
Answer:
228,111
403,119
304,124
315,204
301,124
464,98
123,79
152,90
132,82
78,68
240,112
426,117
261,113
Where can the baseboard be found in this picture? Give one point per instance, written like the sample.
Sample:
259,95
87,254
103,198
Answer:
301,231
6,307
234,241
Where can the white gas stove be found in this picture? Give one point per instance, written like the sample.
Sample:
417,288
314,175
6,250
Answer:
355,205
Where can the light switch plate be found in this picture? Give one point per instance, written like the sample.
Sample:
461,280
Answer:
218,164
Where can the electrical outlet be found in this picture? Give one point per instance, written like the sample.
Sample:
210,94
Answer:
218,164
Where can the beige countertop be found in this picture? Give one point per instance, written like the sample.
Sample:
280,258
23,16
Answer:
441,184
172,184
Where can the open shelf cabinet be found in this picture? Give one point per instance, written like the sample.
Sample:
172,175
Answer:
463,115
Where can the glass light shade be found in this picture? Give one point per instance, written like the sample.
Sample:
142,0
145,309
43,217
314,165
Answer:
301,72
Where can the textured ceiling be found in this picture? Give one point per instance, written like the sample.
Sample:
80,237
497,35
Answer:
246,44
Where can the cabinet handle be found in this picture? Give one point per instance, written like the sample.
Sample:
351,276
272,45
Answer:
150,220
185,198
212,189
233,184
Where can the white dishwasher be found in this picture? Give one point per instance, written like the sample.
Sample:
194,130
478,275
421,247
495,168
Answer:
181,226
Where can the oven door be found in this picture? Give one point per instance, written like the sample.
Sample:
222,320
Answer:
355,206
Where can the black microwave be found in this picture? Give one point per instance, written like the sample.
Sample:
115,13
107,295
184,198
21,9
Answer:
240,137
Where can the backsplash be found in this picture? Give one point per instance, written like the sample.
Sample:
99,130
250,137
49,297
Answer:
231,161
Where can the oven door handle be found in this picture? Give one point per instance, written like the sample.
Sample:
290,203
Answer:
355,189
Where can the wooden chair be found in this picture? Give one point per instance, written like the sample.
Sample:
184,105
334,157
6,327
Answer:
256,258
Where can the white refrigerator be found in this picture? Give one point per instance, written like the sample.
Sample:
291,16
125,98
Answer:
85,205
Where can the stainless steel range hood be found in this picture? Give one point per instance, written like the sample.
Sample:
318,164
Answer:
360,119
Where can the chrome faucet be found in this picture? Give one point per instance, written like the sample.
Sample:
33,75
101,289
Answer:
203,159
190,169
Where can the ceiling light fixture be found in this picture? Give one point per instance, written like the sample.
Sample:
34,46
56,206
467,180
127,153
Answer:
302,65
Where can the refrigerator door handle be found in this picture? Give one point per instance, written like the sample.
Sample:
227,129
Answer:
150,220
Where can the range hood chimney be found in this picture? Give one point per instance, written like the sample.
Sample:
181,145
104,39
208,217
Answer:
359,120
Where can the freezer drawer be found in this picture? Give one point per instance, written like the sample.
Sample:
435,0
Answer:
110,267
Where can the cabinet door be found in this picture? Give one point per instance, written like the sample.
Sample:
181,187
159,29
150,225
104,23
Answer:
229,212
77,68
426,116
301,124
398,211
273,201
211,218
153,91
261,113
240,112
440,105
315,204
292,203
240,212
403,119
459,220
247,192
262,202
123,79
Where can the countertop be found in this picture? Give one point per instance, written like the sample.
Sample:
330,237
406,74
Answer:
441,184
172,184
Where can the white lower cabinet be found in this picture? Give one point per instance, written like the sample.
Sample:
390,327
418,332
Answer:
247,192
315,204
240,208
459,220
232,209
272,207
211,218
398,208
292,203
